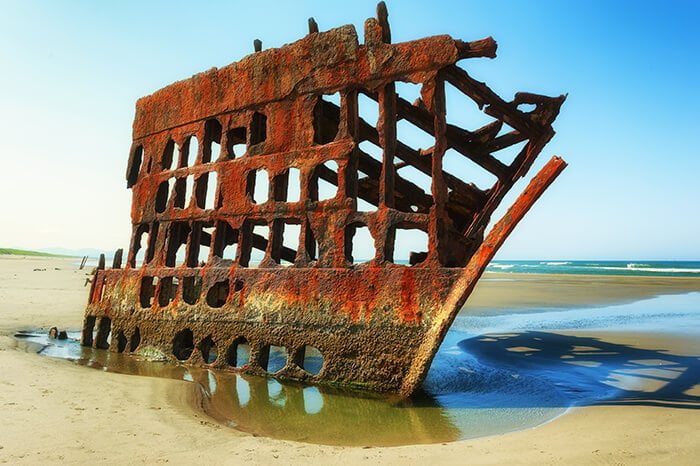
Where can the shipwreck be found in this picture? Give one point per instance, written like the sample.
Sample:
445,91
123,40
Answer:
257,157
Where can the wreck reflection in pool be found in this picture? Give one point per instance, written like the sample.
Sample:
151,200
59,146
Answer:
443,412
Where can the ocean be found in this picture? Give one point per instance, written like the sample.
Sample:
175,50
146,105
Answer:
630,268
599,267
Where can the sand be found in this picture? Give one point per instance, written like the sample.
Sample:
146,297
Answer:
56,411
539,291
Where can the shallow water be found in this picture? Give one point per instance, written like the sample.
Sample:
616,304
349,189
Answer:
672,314
491,375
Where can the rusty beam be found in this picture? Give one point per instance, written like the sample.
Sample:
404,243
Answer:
463,141
475,268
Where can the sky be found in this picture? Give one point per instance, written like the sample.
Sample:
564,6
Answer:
73,70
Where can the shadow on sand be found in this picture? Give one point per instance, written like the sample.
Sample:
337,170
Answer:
584,370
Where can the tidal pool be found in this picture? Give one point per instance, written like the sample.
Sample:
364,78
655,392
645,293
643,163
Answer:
479,384
444,411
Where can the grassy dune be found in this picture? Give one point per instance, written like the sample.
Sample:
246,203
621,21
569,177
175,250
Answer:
23,252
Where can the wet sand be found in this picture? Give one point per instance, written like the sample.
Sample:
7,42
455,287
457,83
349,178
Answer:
523,292
55,411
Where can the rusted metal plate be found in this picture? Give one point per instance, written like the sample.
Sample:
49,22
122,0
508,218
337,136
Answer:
202,145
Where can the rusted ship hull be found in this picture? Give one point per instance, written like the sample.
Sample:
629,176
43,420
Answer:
377,328
377,324
368,334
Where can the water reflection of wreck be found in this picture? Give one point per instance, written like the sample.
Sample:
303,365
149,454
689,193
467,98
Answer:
204,147
324,415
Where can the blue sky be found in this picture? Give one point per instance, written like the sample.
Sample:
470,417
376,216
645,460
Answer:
72,72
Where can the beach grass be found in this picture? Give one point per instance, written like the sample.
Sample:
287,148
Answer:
24,252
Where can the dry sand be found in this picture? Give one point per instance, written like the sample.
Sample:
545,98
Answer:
56,411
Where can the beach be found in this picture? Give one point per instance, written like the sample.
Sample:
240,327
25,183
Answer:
57,411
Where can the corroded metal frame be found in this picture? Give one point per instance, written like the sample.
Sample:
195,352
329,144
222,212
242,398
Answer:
377,324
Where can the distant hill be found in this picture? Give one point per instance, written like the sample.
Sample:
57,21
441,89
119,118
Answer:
24,252
92,253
